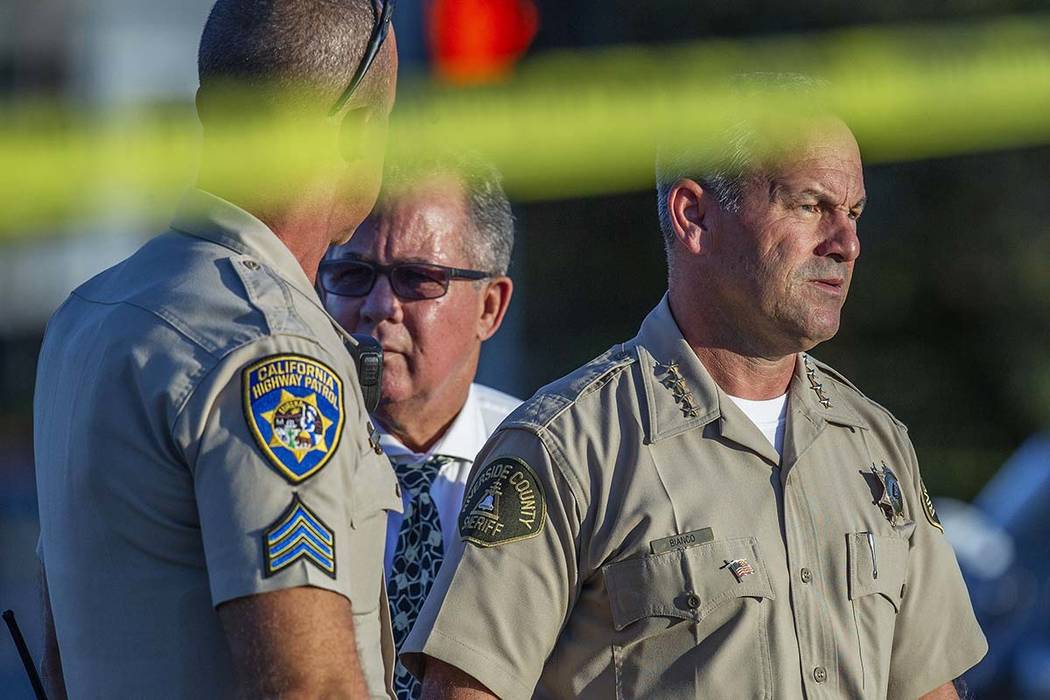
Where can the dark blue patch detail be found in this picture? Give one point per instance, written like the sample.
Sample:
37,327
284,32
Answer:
299,534
294,408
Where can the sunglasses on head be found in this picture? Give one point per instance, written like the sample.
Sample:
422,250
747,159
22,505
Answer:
410,281
384,10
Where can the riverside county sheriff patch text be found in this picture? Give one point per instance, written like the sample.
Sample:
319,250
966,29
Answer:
504,503
294,408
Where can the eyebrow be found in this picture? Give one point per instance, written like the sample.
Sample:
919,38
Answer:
412,260
779,191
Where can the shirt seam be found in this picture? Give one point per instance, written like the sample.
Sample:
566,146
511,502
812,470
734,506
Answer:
197,378
559,461
170,319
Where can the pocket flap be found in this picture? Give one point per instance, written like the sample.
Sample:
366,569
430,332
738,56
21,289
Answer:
685,583
884,573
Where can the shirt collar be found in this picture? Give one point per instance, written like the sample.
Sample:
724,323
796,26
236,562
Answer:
807,390
661,347
461,441
203,215
665,356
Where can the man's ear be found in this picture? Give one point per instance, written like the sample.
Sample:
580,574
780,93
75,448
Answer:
494,303
361,134
689,207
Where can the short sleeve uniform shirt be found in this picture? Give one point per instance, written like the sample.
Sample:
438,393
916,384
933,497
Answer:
197,428
629,533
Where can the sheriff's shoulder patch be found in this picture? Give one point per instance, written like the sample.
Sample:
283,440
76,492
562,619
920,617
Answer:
505,503
294,408
299,534
928,509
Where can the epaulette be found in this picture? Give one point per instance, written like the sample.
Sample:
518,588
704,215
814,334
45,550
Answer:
271,295
552,400
837,376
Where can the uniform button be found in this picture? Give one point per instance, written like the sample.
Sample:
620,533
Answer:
806,575
820,674
693,601
251,264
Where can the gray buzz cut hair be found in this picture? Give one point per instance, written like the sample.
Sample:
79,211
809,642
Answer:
487,203
726,166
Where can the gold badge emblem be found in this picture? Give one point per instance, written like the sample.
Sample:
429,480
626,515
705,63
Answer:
297,425
892,500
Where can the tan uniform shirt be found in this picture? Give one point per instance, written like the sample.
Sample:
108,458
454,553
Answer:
198,424
631,534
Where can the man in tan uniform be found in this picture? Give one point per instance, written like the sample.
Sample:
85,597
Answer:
212,503
706,511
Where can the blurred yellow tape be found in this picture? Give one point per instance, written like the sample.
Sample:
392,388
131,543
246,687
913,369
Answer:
572,124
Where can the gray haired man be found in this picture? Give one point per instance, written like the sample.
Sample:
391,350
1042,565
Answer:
426,275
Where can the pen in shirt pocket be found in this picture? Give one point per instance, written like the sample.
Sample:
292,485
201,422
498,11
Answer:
874,555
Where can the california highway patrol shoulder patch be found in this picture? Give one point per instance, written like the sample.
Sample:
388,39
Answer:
299,534
294,408
505,503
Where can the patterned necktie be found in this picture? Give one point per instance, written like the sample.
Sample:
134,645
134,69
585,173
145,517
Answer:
417,558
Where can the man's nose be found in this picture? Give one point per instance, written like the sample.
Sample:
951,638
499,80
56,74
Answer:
381,304
841,241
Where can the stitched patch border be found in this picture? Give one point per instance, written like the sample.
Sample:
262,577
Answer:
504,503
294,408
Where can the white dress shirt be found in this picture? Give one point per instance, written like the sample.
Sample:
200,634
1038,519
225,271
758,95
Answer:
484,410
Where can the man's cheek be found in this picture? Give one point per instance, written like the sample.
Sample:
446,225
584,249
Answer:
397,380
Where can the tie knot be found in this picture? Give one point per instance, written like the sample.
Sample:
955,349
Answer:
417,476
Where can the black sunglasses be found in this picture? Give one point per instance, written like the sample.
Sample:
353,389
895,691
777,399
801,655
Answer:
410,281
384,13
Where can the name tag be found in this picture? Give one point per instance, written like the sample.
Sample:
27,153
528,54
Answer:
686,539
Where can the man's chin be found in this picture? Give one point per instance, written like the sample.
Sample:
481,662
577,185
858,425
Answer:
820,331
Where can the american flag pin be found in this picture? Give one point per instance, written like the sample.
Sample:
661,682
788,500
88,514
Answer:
740,568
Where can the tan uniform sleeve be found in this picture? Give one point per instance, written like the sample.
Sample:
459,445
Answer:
246,482
502,596
937,637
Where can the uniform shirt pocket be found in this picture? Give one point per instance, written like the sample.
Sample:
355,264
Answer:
877,564
878,567
684,622
685,583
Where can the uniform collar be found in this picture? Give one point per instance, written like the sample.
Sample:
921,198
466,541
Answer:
462,441
806,390
203,215
664,353
661,346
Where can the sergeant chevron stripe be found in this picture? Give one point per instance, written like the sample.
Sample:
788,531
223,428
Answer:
299,534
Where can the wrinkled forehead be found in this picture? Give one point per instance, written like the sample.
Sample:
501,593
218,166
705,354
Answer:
820,151
426,220
826,138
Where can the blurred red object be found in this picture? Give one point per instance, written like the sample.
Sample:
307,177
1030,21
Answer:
478,41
